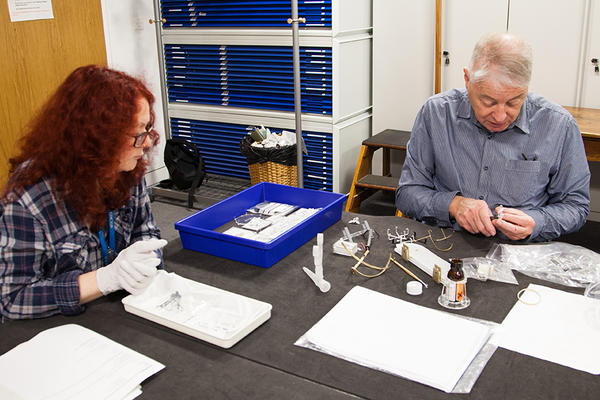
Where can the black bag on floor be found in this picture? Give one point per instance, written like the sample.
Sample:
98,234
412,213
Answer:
185,166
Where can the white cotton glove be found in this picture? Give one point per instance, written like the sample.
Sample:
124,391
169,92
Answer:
133,269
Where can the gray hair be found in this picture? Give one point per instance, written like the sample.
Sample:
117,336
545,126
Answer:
503,58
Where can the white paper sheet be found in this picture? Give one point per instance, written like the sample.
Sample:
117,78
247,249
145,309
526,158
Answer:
28,10
563,328
389,334
73,362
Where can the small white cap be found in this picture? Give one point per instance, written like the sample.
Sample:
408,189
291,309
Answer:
414,288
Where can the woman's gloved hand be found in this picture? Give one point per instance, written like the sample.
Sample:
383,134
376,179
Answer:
133,269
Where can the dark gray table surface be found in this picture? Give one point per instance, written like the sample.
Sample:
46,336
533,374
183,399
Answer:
267,365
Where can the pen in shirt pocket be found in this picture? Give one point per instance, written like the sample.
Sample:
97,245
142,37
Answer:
532,157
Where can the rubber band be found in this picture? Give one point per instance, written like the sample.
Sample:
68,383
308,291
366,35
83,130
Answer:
520,294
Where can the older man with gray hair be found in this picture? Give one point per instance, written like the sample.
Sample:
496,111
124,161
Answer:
492,145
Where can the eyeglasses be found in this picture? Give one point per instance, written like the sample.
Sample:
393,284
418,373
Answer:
140,138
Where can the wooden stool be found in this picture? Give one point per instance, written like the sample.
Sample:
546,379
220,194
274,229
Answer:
364,184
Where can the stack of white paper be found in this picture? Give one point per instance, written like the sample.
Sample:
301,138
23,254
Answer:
556,326
73,362
385,333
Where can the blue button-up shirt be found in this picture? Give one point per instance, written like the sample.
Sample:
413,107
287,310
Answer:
538,164
44,249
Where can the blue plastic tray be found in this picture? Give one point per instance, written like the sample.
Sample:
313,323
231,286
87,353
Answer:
197,231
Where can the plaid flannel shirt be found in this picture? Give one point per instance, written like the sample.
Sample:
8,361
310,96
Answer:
44,249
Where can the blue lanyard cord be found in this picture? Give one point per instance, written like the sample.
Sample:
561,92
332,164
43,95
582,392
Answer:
108,254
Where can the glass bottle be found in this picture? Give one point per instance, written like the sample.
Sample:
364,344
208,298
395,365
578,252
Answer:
454,292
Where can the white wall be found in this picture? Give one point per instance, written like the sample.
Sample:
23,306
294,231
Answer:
403,66
404,45
403,54
591,79
459,38
131,47
556,45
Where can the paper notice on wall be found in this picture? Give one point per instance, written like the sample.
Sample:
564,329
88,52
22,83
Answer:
29,10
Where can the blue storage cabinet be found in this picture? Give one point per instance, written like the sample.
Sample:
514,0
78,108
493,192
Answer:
240,13
228,65
248,76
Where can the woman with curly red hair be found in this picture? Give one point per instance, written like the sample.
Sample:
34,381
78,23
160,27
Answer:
75,217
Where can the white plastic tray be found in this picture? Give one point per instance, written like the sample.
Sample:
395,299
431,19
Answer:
202,311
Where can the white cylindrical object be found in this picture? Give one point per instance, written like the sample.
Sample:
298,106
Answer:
414,288
320,239
318,260
324,286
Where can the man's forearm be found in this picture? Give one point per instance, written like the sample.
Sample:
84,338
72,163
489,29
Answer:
425,204
557,219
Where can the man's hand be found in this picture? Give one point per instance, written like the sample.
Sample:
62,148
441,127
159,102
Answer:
473,215
515,224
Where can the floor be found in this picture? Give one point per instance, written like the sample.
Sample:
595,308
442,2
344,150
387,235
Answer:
165,216
170,206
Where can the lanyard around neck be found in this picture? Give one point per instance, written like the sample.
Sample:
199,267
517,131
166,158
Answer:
108,254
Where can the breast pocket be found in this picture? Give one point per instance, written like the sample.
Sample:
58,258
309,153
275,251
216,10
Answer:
74,251
522,181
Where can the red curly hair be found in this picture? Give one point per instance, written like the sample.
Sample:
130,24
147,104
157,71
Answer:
76,140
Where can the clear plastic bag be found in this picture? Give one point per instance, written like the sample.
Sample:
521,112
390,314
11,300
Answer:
482,268
466,381
556,262
593,290
592,313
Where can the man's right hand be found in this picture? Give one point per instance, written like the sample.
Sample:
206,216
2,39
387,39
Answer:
473,215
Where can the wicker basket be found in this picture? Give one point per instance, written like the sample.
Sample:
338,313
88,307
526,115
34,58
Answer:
273,172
